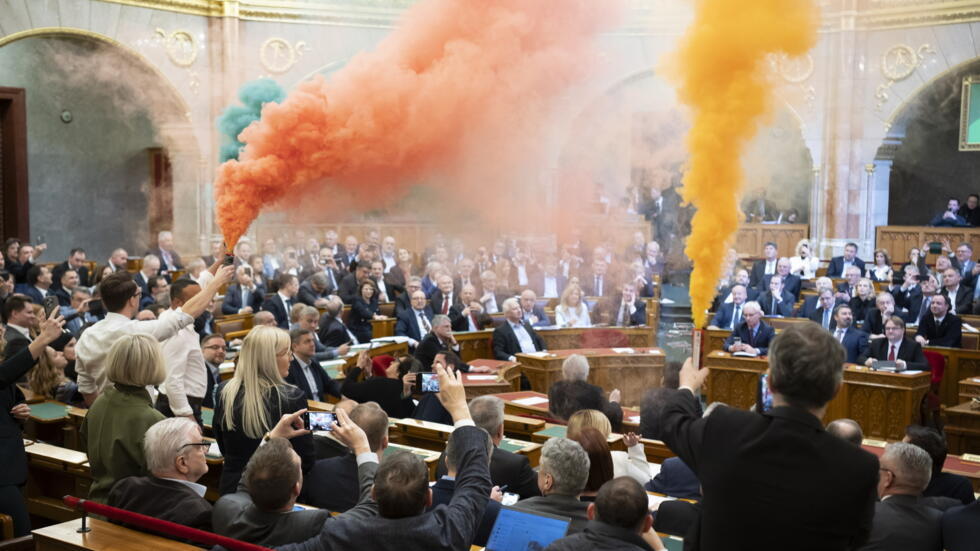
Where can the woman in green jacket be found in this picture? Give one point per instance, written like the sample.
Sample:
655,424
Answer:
115,425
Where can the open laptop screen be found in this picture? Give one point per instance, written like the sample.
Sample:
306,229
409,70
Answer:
517,530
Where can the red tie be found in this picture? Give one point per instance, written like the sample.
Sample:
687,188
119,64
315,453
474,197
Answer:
445,305
891,353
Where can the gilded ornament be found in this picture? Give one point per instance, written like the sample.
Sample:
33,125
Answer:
181,46
278,55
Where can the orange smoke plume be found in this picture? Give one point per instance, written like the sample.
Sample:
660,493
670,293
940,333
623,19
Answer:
721,74
459,91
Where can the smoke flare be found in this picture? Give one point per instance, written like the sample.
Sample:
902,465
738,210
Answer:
721,74
235,118
460,90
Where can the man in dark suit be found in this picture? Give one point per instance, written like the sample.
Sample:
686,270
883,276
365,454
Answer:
404,301
402,492
244,296
347,258
305,372
941,484
469,311
753,333
213,349
791,282
960,296
839,264
415,322
622,309
352,281
818,489
171,491
333,332
76,261
66,285
896,347
824,313
676,479
18,315
549,282
908,295
847,289
962,261
941,328
444,296
597,284
445,487
812,302
901,519
775,301
514,336
261,510
490,300
280,303
562,475
169,259
961,527
533,313
729,315
38,283
854,341
764,267
332,483
314,291
150,269
724,295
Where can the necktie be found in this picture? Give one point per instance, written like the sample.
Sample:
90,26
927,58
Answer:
622,315
598,286
445,305
839,335
772,311
752,336
826,318
891,352
924,308
425,322
735,316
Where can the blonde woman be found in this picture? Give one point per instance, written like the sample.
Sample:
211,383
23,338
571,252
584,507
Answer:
249,404
805,263
864,302
572,310
48,378
632,463
112,432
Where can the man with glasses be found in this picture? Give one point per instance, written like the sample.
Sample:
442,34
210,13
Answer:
174,450
415,322
213,349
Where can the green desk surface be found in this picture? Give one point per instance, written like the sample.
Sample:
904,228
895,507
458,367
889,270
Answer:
673,543
333,371
394,448
557,431
49,411
207,416
512,446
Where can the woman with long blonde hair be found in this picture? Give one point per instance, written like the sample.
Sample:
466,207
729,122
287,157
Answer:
632,463
572,310
249,405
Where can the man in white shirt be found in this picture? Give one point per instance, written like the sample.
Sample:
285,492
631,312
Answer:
18,313
514,336
118,259
182,393
489,298
385,294
389,253
121,297
470,314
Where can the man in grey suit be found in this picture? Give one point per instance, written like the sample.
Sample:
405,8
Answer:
562,475
261,511
402,492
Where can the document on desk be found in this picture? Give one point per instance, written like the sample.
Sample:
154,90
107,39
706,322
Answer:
481,377
536,354
532,401
911,371
655,501
634,419
624,350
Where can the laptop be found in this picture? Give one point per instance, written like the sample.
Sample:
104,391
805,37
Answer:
516,530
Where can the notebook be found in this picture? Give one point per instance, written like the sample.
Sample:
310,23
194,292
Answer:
516,530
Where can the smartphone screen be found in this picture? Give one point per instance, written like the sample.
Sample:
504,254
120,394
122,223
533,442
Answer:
429,382
50,305
764,400
320,420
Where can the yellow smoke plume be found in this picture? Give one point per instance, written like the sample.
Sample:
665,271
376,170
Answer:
720,71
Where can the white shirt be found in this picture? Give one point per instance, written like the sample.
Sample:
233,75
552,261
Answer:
390,261
770,267
951,293
550,286
186,373
888,349
527,344
310,379
382,290
522,275
569,317
44,292
94,345
490,306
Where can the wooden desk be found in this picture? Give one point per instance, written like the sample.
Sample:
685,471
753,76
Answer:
899,240
476,344
434,436
104,536
960,364
521,427
954,464
383,327
750,237
968,388
539,407
48,422
733,381
631,372
53,472
963,429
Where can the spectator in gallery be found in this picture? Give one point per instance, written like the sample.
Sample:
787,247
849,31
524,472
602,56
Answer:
950,216
971,210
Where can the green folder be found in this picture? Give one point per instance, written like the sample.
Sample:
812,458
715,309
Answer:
207,416
673,543
392,448
511,445
557,431
49,411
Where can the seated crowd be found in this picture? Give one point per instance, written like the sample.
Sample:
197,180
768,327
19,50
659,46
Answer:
146,371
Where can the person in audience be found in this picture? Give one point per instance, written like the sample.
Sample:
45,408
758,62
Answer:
402,493
791,284
942,264
308,318
882,268
864,301
77,313
823,314
264,318
280,304
304,371
159,294
895,347
386,292
404,270
13,413
600,461
839,264
949,217
441,339
216,252
572,311
902,521
444,296
389,253
531,312
471,314
804,264
392,390
149,269
969,210
350,286
11,248
908,295
764,267
118,260
26,256
113,430
775,301
632,462
962,261
20,318
333,483
847,289
941,484
638,277
243,296
506,276
574,393
846,429
364,309
623,309
549,282
941,328
917,259
213,350
960,297
262,510
596,284
818,489
182,394
38,284
258,277
76,261
725,293
884,309
854,341
333,331
175,458
514,336
120,296
416,321
491,301
961,527
752,335
619,519
48,379
6,286
404,300
256,394
930,286
562,475
729,315
348,257
271,259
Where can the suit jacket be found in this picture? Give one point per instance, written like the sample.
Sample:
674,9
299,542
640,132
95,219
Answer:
836,267
751,293
791,285
436,302
948,333
969,279
817,492
909,350
505,343
407,324
450,527
599,536
587,282
855,344
507,469
429,346
275,305
554,504
536,283
442,493
32,292
333,332
675,479
910,300
961,527
232,302
12,456
60,270
236,516
723,317
163,499
214,379
612,306
175,263
783,308
64,299
817,317
873,323
543,319
757,273
954,486
347,288
763,336
14,342
332,484
903,522
386,392
402,302
325,385
308,296
567,397
963,299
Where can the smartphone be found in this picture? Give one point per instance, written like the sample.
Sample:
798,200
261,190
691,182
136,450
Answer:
40,240
319,420
228,261
509,498
427,382
247,270
50,305
764,399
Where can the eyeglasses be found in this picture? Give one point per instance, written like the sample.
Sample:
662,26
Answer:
214,347
205,445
